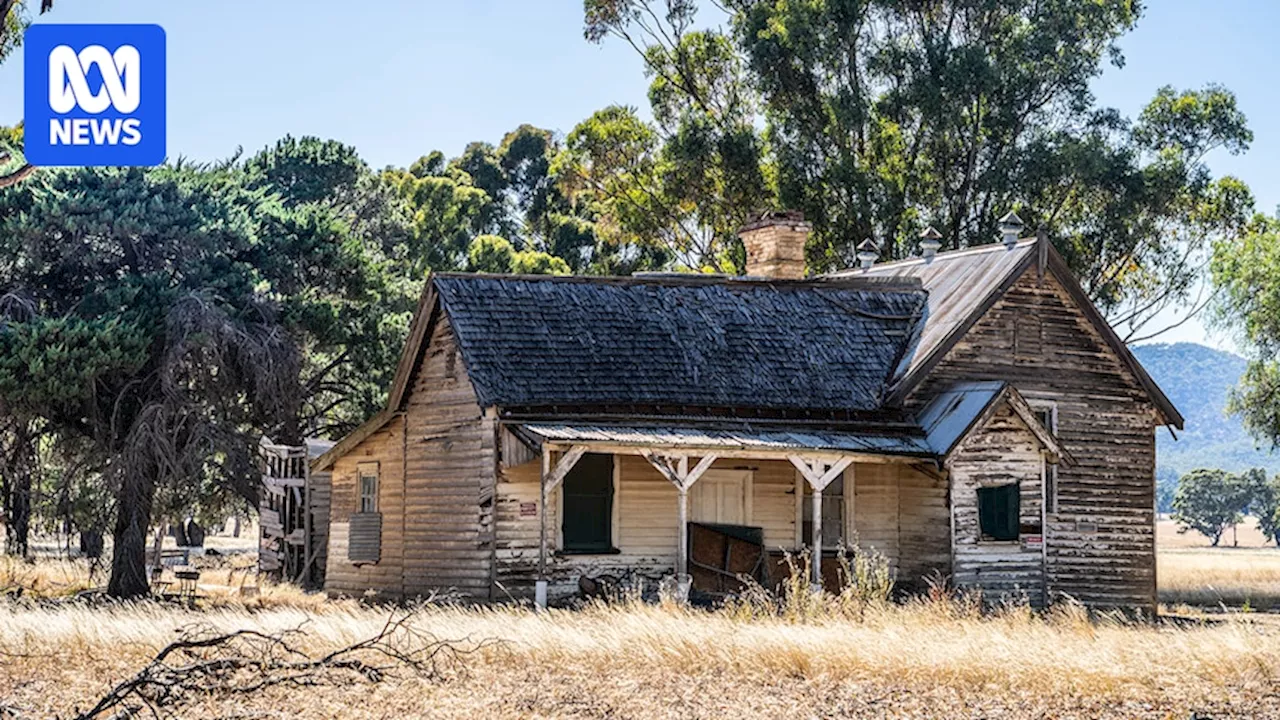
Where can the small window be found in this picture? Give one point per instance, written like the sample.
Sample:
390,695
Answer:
588,505
998,511
832,514
367,480
1047,414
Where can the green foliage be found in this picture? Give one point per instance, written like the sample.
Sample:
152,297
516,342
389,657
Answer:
493,254
12,26
683,185
1210,501
881,118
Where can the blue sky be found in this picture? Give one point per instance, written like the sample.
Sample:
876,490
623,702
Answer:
397,79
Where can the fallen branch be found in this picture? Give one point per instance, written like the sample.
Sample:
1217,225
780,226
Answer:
202,663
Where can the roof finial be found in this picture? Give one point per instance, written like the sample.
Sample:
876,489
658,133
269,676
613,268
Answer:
868,253
1010,228
930,243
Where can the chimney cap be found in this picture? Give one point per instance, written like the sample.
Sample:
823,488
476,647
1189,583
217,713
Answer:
1011,222
930,242
868,253
767,218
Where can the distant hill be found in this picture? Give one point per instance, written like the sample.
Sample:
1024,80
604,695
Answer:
1198,379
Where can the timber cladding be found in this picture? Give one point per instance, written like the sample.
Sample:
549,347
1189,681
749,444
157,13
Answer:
1100,544
343,576
436,468
1004,452
450,470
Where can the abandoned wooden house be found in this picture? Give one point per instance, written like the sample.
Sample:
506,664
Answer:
967,414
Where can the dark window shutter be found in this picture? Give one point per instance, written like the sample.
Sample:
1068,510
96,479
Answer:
998,511
588,504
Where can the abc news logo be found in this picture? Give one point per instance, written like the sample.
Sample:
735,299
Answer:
69,89
94,94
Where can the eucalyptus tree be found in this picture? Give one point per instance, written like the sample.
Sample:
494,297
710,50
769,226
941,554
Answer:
881,118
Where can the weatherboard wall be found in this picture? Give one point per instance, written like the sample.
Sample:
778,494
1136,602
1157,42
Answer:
897,510
1100,543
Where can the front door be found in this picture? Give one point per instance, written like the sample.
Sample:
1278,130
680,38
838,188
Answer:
722,497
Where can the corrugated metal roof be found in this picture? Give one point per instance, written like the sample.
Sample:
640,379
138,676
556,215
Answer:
954,411
958,283
710,439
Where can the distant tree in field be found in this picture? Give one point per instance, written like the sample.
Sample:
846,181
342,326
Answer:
1265,507
1209,501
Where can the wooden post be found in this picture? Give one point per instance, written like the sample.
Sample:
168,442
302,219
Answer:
550,478
676,471
682,542
540,589
819,473
815,541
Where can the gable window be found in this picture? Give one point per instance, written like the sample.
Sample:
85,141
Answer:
832,514
998,511
587,507
1047,414
367,484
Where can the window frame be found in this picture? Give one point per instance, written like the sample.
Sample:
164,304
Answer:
611,548
992,539
363,471
828,500
1049,471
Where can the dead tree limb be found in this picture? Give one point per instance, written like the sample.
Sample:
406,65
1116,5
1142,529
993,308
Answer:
203,663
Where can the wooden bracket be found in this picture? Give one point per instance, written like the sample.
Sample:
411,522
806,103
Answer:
820,473
562,468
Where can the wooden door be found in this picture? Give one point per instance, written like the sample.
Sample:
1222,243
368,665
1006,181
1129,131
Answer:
722,497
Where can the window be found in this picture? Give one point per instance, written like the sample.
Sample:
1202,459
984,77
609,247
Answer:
832,514
998,511
1047,414
367,481
587,495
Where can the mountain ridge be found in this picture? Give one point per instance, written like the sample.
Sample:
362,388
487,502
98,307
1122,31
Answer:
1198,380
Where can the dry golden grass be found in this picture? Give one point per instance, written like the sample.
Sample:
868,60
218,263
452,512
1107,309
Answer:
838,658
224,582
927,659
1213,577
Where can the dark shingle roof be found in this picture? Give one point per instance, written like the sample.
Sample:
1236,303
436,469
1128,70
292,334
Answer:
538,341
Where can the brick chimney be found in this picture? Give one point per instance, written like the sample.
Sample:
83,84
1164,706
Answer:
775,244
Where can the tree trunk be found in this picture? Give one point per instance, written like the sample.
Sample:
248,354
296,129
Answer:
18,468
195,534
235,527
180,534
91,543
129,556
18,514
